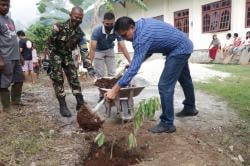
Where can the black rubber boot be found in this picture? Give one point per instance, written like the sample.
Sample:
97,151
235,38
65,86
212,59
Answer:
5,99
16,91
64,111
79,101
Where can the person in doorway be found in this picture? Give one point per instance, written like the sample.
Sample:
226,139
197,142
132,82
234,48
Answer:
10,68
150,36
64,39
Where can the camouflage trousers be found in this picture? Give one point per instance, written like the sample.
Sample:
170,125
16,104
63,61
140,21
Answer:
60,63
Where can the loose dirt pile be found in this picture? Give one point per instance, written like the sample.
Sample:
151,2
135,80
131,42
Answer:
107,83
87,120
111,155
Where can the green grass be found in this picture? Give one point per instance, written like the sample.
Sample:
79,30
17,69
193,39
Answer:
23,136
234,89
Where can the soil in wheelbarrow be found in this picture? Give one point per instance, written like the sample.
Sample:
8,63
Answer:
107,83
87,120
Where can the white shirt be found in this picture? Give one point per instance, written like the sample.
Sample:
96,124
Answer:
104,32
228,42
247,42
34,56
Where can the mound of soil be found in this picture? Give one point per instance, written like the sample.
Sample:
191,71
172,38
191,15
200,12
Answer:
119,157
2,164
87,120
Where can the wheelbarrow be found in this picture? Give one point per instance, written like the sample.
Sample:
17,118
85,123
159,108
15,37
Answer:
124,102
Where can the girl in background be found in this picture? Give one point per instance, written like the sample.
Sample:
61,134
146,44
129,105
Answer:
213,47
35,61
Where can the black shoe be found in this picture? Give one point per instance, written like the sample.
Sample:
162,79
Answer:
5,99
184,113
64,111
162,129
79,101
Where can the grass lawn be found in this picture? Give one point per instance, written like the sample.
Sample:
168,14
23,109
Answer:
234,89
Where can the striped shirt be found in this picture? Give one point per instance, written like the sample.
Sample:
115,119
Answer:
153,36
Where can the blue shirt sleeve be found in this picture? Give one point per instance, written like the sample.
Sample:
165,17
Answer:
141,48
95,34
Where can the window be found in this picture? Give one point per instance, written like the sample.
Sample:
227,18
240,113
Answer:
161,17
216,16
247,14
181,20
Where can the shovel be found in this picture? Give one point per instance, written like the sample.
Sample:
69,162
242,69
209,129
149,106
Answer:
98,106
87,118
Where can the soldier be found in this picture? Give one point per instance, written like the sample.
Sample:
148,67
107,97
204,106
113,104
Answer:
64,39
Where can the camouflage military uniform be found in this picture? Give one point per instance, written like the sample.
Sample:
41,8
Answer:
61,43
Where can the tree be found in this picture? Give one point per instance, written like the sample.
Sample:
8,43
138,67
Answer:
54,10
145,110
38,33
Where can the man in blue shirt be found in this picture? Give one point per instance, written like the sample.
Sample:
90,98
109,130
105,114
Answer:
102,47
152,36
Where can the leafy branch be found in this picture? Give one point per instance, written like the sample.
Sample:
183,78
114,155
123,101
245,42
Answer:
100,139
146,110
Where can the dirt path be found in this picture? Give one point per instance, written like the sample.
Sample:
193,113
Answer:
37,135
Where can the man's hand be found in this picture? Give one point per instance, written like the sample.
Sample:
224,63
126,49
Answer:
91,72
55,28
89,67
1,64
112,94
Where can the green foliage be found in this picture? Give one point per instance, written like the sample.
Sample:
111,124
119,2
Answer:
56,9
63,10
38,33
139,3
146,110
109,6
100,139
235,89
76,2
41,7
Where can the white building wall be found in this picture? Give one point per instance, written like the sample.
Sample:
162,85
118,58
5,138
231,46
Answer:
168,7
156,8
